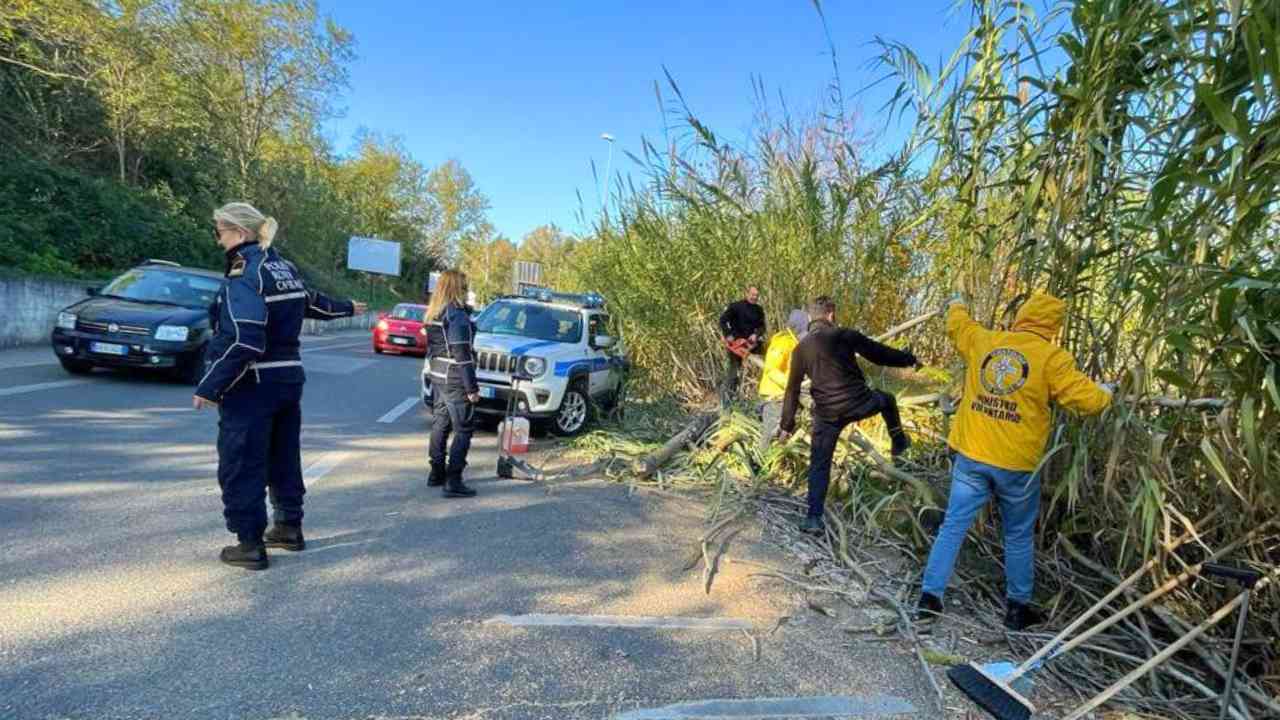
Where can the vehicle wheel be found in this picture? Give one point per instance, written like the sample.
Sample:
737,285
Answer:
575,411
377,349
76,367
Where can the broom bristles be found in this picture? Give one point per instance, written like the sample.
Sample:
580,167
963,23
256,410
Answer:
995,696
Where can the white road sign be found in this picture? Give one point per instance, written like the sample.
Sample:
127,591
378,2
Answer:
375,256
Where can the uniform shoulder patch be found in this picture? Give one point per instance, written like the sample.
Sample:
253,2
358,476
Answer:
237,267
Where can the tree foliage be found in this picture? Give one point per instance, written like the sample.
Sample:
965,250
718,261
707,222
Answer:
187,104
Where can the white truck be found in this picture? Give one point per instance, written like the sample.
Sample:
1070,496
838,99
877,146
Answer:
559,340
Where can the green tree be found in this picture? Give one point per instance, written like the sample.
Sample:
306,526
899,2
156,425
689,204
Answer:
256,65
457,211
487,262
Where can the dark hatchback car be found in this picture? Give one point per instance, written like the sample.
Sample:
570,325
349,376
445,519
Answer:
153,316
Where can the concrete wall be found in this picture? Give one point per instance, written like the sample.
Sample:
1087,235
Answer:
328,327
29,307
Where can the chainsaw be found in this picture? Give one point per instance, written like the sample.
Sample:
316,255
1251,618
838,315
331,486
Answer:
740,347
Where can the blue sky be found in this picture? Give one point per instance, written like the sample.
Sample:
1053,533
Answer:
520,92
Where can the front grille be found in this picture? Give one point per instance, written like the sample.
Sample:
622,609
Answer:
496,362
102,328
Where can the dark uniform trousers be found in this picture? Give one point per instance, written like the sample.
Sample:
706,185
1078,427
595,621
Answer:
456,418
258,450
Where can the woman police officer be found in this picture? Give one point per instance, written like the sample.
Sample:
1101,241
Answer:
254,378
451,353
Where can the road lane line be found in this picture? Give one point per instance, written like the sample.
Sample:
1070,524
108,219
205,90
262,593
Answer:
394,413
364,343
321,467
630,621
762,708
23,389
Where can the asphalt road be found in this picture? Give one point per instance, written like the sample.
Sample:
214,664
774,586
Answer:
523,602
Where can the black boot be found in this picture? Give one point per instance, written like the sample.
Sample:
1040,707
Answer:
455,488
247,555
437,477
929,609
1019,616
285,537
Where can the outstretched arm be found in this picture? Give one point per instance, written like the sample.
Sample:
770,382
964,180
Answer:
323,307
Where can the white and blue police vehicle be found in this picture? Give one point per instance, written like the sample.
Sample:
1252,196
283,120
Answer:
559,340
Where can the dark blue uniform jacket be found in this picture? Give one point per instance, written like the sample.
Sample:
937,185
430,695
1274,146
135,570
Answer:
257,318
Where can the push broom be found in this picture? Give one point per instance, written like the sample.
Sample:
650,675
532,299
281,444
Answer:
992,686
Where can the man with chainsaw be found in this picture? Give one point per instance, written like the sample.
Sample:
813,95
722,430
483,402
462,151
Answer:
742,325
828,357
999,435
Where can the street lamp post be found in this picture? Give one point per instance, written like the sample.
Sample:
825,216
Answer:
608,167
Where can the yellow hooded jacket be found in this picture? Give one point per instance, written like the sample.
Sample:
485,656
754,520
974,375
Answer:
777,364
1010,380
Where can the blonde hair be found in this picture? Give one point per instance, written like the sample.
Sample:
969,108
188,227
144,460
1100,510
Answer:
248,218
450,289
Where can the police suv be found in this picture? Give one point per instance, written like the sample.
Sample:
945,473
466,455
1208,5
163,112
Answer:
561,342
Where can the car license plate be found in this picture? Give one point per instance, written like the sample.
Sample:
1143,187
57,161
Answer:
400,340
108,348
488,392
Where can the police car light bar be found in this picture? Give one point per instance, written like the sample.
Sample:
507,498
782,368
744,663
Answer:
586,300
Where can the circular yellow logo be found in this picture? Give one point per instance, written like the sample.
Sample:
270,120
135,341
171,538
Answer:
1004,371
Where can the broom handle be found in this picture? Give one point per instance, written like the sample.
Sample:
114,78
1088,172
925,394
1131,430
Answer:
1163,655
1124,584
1053,648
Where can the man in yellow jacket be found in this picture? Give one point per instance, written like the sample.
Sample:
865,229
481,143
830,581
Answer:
777,365
999,436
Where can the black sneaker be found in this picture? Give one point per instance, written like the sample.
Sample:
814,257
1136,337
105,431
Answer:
285,537
1020,617
250,556
929,610
813,526
900,444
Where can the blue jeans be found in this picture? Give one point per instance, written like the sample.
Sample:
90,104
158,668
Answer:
972,484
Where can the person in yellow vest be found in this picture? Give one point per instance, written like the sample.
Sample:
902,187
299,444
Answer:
999,435
777,365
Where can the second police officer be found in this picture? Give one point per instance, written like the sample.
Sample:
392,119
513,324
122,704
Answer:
455,392
254,378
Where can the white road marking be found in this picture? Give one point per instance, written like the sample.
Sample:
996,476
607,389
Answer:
314,550
394,413
321,467
322,348
762,708
631,621
23,389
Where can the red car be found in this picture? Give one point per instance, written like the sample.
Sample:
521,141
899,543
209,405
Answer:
400,331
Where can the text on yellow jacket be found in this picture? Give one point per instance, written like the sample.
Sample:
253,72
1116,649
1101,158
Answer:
1011,378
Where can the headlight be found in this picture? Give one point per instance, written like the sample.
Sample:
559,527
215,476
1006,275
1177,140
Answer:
534,366
382,325
67,321
173,333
